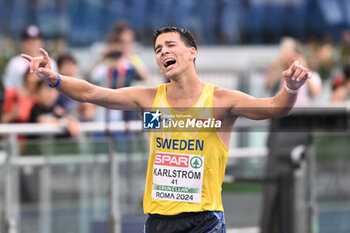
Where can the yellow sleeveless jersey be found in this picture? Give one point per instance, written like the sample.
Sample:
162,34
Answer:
186,164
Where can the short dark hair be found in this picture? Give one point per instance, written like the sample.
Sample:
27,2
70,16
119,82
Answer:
115,35
65,58
121,26
185,35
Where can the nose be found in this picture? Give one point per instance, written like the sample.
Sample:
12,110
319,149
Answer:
165,51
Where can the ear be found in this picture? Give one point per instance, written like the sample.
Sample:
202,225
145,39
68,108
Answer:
193,53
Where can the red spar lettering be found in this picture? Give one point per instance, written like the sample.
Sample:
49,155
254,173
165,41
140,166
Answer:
171,160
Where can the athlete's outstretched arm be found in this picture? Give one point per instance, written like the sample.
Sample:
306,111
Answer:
80,90
277,106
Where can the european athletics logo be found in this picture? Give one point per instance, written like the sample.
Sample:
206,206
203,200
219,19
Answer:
152,120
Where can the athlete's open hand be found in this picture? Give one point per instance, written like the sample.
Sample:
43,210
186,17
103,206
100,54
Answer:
41,66
296,75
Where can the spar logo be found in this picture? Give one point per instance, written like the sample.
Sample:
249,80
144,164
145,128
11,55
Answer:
178,160
173,160
196,162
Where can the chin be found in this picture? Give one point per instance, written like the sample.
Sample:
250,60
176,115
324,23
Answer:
169,73
172,74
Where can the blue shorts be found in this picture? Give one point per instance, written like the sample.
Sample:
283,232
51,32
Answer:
193,222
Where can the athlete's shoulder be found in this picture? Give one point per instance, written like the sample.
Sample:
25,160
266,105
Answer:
224,97
142,91
143,95
221,92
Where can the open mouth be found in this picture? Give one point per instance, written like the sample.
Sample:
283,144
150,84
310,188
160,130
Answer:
169,62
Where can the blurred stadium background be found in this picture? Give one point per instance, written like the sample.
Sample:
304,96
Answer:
65,185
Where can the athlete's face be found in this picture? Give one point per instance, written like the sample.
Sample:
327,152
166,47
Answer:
172,55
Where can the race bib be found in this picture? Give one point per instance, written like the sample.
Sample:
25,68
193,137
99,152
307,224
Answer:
178,177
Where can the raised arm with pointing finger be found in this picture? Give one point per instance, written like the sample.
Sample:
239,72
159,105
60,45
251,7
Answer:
80,90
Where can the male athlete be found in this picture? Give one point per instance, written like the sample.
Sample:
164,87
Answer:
178,197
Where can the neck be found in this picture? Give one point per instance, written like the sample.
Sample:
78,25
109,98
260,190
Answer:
185,86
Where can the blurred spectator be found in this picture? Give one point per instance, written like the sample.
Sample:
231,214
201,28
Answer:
2,95
124,35
279,166
43,111
341,86
291,51
118,67
18,102
312,48
345,46
67,65
31,41
326,62
7,49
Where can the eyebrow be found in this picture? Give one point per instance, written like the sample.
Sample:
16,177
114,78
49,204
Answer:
166,42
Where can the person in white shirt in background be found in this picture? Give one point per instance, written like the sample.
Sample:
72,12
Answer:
31,42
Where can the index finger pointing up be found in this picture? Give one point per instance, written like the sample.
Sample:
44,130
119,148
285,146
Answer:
44,53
